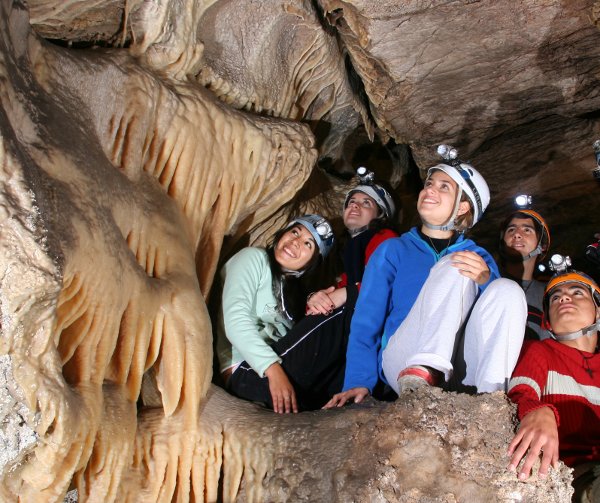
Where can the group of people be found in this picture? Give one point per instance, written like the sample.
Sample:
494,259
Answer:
427,308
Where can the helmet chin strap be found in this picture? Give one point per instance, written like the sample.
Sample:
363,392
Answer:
292,273
538,251
521,258
587,331
449,225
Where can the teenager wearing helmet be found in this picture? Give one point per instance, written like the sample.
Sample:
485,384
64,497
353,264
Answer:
258,310
418,290
524,241
556,386
368,211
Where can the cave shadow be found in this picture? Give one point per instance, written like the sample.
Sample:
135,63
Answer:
523,141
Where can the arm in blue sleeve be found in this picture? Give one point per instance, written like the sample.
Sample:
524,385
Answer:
491,263
368,321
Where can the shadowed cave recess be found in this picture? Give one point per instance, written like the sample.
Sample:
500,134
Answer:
142,143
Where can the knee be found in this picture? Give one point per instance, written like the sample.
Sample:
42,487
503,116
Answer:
505,290
449,278
504,286
444,269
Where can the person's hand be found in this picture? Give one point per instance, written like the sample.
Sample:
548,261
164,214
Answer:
471,265
340,399
537,434
338,297
322,302
283,394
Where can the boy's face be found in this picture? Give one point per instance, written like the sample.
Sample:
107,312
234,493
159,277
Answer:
520,236
571,308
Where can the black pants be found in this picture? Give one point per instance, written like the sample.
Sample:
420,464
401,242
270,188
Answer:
313,355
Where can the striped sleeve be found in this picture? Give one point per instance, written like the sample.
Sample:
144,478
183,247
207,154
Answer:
527,385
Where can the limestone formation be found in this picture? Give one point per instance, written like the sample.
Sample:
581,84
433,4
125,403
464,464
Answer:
150,139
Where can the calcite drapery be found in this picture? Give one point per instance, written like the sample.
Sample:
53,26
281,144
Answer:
116,183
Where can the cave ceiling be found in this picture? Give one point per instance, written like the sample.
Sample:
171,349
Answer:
514,89
141,141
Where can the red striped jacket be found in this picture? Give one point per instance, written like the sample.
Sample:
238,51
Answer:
566,379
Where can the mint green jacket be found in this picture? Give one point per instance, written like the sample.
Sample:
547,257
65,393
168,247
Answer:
249,321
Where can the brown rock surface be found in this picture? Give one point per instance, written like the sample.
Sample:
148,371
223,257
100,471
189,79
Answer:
515,88
124,167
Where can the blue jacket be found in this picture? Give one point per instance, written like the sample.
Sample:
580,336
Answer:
392,281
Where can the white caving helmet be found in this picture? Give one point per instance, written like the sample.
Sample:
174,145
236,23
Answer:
469,181
375,191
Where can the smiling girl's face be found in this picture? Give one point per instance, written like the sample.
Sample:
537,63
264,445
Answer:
436,201
295,248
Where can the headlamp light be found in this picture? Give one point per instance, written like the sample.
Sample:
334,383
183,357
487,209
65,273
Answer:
596,172
559,263
448,153
523,201
365,176
323,230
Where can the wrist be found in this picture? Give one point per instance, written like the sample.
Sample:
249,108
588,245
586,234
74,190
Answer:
272,369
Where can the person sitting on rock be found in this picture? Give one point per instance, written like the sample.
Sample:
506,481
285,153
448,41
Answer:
556,386
418,291
258,310
524,241
367,215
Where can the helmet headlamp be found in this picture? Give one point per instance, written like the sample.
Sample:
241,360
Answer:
523,201
596,172
559,264
449,154
365,176
324,229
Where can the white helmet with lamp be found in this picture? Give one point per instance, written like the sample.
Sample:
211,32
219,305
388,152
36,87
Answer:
468,180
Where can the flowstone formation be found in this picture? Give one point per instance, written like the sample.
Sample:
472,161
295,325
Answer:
149,139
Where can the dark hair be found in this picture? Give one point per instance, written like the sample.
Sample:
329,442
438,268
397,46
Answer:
382,222
288,289
464,222
539,231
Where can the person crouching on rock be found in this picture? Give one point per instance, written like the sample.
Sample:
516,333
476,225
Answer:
556,386
418,291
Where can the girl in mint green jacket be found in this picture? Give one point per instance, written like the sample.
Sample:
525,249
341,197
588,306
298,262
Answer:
255,314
